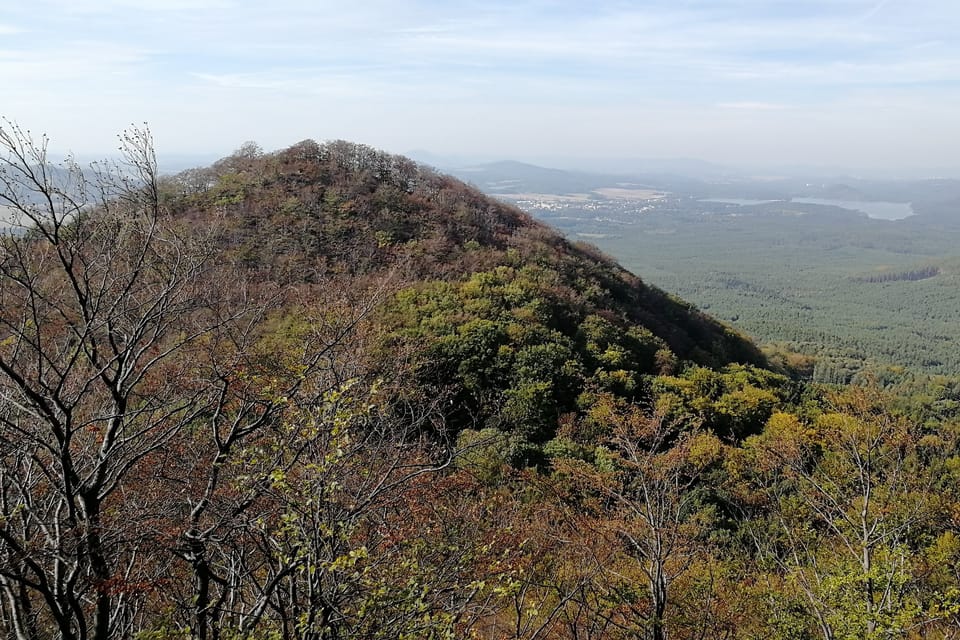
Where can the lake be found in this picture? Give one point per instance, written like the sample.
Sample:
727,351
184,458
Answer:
875,210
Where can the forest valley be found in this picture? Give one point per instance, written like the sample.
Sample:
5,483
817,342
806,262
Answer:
329,393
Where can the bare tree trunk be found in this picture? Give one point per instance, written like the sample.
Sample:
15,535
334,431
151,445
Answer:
95,292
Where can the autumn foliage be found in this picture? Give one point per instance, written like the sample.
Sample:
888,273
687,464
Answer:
329,393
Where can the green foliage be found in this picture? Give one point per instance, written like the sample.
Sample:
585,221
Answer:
733,403
230,189
484,453
619,358
516,350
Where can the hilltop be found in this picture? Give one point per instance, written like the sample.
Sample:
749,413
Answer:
344,209
509,319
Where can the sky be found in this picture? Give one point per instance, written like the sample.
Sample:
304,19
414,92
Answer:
856,83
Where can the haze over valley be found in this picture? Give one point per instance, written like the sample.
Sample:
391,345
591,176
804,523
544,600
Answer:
829,266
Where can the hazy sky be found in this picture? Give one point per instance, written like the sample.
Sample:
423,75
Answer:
861,83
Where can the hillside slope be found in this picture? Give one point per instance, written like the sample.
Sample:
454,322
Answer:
511,324
342,209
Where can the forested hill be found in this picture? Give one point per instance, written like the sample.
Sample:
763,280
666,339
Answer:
341,209
501,315
328,393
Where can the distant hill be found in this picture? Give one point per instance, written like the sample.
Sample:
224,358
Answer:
676,167
511,177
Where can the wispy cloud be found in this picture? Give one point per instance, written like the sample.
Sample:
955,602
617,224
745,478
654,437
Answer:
394,69
300,81
132,7
753,106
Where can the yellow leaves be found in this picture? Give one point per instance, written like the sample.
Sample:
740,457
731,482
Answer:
835,427
788,428
349,560
614,356
931,442
952,466
618,379
603,410
945,550
704,450
785,441
508,587
278,479
476,585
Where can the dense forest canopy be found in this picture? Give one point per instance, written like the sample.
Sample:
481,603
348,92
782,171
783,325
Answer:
329,393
